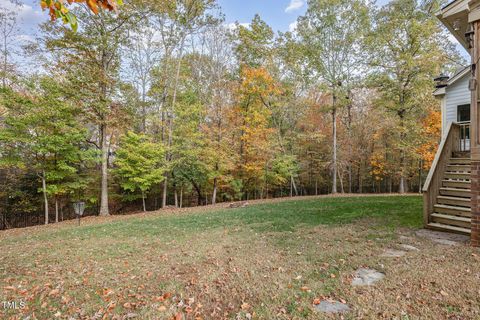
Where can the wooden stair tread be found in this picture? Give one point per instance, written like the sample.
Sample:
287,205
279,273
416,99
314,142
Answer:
459,161
455,189
460,184
451,200
450,217
452,207
440,226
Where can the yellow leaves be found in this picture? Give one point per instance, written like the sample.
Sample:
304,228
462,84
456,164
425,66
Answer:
430,135
258,81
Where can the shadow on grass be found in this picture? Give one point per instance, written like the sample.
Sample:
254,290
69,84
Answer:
389,212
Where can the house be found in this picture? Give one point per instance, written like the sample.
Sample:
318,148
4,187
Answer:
452,189
455,97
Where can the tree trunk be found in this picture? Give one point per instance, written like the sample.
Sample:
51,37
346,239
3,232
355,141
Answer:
340,177
214,194
45,198
143,202
175,195
294,186
420,176
334,134
181,197
56,210
104,164
164,195
402,187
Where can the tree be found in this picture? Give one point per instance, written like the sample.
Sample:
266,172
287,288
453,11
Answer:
409,50
58,9
176,24
91,59
139,164
42,132
332,33
8,35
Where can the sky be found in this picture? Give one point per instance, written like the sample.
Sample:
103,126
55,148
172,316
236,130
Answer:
279,14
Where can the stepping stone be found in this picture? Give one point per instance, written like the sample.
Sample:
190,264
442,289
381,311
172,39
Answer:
332,307
449,239
391,253
366,277
409,247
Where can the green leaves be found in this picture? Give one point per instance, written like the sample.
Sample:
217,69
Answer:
42,133
139,162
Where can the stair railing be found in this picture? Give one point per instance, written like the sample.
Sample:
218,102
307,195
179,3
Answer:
431,188
464,141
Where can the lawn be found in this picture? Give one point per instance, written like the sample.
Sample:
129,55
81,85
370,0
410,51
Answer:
269,260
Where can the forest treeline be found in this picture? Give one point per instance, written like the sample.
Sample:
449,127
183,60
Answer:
164,104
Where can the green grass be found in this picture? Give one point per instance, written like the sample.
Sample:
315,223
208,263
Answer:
323,239
387,212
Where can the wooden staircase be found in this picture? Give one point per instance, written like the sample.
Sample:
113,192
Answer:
447,187
452,209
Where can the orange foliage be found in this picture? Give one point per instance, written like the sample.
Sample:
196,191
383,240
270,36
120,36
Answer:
58,8
257,87
431,131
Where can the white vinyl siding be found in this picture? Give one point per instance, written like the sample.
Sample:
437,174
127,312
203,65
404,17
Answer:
456,94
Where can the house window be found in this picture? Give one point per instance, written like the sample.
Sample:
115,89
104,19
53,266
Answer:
463,113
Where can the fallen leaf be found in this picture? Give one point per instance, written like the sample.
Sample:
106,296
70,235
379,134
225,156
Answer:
316,301
53,292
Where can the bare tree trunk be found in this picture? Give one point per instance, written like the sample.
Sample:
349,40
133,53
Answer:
420,176
56,210
294,185
164,196
334,134
143,202
340,177
181,197
104,164
175,195
350,151
402,187
45,198
214,195
170,122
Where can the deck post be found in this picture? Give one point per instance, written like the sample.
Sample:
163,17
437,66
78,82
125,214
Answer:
475,133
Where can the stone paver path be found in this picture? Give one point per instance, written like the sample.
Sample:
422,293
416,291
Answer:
332,307
409,247
449,239
391,253
366,277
